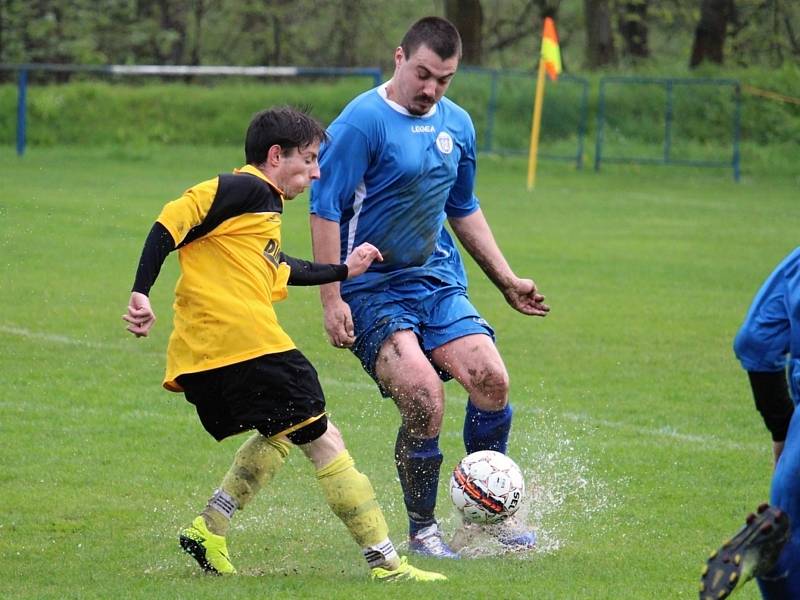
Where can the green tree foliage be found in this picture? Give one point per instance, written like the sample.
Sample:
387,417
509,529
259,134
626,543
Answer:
261,32
766,33
646,33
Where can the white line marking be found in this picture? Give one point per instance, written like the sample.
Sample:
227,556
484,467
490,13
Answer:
60,339
667,431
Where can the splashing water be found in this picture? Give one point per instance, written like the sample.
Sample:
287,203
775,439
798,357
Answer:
563,490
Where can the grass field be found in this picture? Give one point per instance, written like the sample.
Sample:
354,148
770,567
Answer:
634,424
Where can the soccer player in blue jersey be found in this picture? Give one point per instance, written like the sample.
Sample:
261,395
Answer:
768,348
400,162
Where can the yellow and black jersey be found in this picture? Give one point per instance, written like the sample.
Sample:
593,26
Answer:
228,234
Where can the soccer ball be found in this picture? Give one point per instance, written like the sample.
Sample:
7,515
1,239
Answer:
487,487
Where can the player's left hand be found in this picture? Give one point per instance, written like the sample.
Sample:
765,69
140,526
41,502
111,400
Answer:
361,258
523,295
140,316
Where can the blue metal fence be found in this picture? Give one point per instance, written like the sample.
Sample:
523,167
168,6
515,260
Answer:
167,71
525,82
570,117
669,85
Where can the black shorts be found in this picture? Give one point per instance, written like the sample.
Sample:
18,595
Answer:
272,394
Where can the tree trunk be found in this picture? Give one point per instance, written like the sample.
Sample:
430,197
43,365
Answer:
794,41
467,16
277,42
2,30
709,36
172,19
599,39
347,27
199,16
633,28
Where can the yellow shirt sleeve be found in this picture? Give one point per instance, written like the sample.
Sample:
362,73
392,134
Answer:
188,211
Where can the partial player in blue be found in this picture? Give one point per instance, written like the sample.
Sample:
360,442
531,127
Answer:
768,347
400,163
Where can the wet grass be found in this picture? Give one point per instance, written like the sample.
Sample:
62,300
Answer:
633,423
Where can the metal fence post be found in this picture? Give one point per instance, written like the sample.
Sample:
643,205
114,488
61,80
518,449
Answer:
668,122
491,109
601,107
737,115
582,123
22,95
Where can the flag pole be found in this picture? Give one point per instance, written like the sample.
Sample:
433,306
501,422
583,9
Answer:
537,119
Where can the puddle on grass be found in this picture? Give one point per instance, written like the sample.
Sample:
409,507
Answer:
564,491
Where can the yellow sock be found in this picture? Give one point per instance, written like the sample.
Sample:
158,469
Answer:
216,521
254,465
351,497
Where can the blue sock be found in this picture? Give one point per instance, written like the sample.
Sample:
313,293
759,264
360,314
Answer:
418,461
486,430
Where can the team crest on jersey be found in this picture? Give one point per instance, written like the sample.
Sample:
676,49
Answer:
444,142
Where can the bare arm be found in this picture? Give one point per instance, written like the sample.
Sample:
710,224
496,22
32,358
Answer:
325,240
474,233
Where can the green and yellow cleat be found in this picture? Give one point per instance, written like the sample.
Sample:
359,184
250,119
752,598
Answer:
405,572
752,552
208,549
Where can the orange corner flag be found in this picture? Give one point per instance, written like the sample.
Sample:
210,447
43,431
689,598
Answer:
549,62
551,53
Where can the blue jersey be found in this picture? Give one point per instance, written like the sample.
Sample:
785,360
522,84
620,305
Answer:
770,334
391,179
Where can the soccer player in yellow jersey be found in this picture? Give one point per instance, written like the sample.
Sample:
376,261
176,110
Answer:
227,352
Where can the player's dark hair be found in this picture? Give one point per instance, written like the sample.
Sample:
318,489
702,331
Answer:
438,34
285,126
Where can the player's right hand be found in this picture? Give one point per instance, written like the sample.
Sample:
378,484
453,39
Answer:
525,297
339,323
361,258
140,317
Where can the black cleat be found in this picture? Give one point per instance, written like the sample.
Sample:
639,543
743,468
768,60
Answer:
752,552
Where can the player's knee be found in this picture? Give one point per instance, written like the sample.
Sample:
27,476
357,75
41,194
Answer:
334,436
418,394
488,388
324,449
423,412
312,431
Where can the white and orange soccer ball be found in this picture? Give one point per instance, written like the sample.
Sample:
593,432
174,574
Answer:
487,487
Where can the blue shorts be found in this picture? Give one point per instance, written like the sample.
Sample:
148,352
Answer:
438,313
